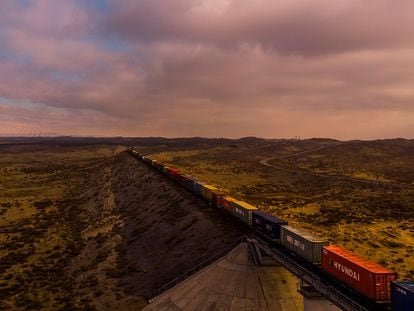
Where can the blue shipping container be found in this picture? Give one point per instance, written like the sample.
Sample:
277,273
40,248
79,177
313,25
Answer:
197,187
267,224
188,182
402,295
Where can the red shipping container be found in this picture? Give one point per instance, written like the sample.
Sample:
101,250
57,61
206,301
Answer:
218,198
367,277
227,203
173,173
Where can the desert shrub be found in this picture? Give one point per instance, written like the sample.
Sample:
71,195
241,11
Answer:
43,204
98,293
372,244
91,281
88,307
391,244
27,302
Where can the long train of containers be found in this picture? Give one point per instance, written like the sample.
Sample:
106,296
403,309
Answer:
368,278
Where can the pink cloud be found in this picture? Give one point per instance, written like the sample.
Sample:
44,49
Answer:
57,53
47,17
298,26
210,68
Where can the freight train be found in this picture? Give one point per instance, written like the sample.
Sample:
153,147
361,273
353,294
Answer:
373,281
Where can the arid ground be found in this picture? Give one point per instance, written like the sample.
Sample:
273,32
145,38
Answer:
89,227
83,225
359,194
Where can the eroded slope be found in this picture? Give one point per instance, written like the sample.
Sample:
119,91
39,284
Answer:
166,230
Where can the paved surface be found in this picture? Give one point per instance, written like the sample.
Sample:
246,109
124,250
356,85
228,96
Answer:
234,283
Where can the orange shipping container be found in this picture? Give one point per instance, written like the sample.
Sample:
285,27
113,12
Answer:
367,277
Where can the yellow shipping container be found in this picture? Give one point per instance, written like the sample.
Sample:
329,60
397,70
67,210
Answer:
207,191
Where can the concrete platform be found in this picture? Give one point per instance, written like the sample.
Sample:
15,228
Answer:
234,283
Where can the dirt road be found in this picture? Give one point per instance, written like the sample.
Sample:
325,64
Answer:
266,162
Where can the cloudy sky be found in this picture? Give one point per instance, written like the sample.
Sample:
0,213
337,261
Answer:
214,68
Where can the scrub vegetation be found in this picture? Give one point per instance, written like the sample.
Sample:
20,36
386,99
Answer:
88,227
43,221
357,194
85,226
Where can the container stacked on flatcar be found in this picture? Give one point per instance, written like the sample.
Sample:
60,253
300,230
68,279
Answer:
243,211
189,182
302,243
173,173
268,225
181,178
227,203
218,198
198,185
402,295
207,191
363,275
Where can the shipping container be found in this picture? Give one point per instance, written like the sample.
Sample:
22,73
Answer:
159,166
302,243
191,183
187,182
173,173
206,191
177,176
268,225
367,277
243,211
218,198
227,203
402,295
198,185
